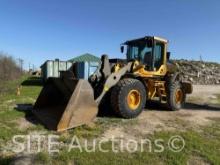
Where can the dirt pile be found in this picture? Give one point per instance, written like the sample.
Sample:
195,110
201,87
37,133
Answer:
200,72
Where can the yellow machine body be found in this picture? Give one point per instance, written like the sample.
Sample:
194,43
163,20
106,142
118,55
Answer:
68,102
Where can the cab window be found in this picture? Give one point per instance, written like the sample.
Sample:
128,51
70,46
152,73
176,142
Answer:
158,55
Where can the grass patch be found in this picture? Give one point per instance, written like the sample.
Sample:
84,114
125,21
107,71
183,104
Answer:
42,158
10,88
101,125
218,98
9,113
5,160
87,132
203,145
101,158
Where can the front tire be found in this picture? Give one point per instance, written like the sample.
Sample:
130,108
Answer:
128,98
176,96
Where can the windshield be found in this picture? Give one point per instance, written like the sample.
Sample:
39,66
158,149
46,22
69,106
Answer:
147,53
138,52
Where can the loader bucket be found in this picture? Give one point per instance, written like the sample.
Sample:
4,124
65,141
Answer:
65,103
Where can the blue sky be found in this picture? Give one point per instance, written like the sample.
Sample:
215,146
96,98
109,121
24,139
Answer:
37,30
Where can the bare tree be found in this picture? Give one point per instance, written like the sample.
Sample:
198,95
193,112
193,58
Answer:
9,70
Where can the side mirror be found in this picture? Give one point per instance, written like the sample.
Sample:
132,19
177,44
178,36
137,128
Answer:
122,49
168,55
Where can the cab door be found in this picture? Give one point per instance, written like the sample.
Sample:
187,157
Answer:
158,55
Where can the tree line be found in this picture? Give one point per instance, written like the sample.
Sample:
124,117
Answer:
9,68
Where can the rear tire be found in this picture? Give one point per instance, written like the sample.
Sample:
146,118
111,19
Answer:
128,98
176,96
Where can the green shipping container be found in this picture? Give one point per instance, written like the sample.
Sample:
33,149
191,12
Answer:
82,69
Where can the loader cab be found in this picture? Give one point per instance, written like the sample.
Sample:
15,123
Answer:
149,51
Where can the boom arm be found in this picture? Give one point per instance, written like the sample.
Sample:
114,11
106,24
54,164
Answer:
113,80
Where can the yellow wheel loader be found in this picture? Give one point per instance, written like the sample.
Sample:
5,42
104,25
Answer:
145,74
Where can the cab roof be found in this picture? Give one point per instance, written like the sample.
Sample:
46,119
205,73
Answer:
147,38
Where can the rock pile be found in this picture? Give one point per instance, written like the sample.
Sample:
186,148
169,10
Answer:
200,72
